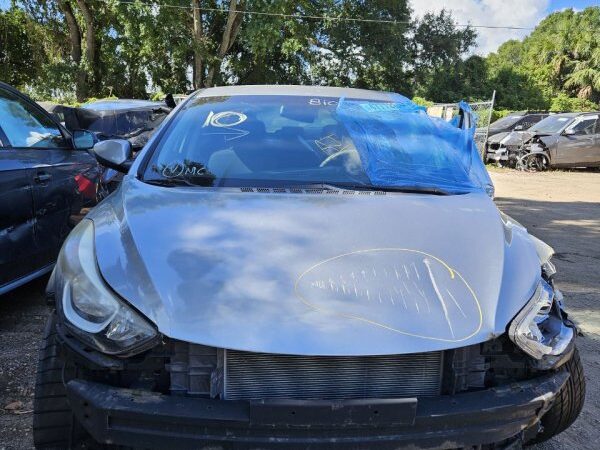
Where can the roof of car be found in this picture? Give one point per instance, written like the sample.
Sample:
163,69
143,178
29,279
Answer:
120,104
323,91
526,113
572,114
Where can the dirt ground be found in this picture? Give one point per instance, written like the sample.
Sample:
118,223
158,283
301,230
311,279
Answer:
562,208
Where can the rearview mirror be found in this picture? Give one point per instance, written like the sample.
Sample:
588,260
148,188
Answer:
518,128
114,153
83,139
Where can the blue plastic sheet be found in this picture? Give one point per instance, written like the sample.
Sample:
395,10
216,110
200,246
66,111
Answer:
400,145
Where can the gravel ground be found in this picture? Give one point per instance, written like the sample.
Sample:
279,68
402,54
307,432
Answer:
562,208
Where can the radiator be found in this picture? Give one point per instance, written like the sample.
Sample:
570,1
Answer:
250,375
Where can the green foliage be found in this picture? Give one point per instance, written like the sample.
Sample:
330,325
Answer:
562,102
144,49
438,46
366,54
142,46
560,59
461,80
20,54
500,113
422,102
157,96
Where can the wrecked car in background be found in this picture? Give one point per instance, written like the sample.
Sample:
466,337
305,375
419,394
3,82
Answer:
505,136
562,141
46,177
304,267
134,120
517,121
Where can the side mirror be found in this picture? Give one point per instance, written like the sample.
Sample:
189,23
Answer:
569,132
83,139
518,128
114,153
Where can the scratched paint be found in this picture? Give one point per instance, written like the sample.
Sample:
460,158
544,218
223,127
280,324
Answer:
389,288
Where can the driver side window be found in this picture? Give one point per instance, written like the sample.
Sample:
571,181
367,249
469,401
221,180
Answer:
586,126
25,127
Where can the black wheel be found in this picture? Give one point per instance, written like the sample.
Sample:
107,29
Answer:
533,162
568,402
54,425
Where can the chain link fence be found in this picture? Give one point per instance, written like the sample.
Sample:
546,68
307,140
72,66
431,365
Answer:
481,110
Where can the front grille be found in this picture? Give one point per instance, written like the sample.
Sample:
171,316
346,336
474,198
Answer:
269,376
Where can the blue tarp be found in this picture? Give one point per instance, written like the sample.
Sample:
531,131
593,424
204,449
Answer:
400,145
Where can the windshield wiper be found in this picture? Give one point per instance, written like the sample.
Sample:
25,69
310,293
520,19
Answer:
406,189
413,190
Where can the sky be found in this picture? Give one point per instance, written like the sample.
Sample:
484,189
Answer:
516,13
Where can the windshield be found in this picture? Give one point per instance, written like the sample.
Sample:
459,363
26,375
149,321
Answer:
505,122
282,141
551,124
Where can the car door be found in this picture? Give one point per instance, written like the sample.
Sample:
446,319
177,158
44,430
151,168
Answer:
17,246
576,145
45,152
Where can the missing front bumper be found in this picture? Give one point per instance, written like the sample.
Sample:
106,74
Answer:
140,418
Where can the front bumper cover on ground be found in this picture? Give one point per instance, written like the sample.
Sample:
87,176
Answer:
141,418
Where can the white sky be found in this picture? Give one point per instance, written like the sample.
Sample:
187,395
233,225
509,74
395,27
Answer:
519,13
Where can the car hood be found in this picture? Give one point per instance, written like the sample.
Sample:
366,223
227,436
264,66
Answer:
511,138
330,273
497,137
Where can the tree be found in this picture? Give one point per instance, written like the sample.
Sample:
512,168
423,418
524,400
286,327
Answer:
75,39
20,55
437,46
199,43
560,58
365,54
462,79
91,60
516,88
232,28
99,48
275,49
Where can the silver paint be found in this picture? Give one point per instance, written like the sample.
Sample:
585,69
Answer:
219,267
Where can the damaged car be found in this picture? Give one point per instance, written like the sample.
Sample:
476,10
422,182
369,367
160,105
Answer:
506,136
303,267
133,120
562,141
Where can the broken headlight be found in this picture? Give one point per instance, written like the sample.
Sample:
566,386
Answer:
538,329
92,311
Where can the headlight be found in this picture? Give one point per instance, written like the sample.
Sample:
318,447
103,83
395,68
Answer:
538,329
92,311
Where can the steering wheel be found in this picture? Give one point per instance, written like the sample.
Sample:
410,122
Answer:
336,155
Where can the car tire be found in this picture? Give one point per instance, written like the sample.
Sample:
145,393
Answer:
54,424
568,402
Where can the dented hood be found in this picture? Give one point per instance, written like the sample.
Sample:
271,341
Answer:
512,138
315,274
